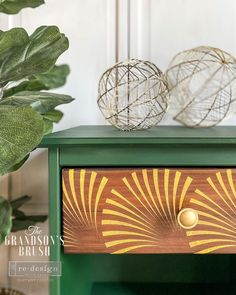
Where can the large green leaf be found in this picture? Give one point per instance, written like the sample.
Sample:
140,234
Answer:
17,203
17,165
32,85
14,6
8,41
5,219
21,130
39,55
20,220
42,102
54,78
24,221
18,213
13,219
54,116
48,126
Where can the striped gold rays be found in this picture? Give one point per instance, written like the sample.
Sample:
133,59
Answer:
216,230
82,192
142,209
118,210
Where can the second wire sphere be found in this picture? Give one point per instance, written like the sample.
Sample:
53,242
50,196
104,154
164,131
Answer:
133,95
202,83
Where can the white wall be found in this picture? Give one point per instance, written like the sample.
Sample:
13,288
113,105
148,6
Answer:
159,29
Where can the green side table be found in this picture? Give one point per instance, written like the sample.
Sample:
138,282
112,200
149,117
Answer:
170,149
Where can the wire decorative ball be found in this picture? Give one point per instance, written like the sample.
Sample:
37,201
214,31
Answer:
202,84
132,95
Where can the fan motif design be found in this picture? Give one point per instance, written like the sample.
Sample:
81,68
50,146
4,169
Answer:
80,203
135,210
216,229
138,217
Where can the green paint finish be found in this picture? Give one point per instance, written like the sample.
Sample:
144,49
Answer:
166,289
96,272
148,155
138,274
54,213
158,135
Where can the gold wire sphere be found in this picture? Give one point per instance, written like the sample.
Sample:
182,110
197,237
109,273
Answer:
133,95
202,85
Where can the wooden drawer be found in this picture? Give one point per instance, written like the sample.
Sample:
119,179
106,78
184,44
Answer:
132,210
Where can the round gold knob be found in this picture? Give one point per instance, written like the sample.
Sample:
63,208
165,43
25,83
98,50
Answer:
187,218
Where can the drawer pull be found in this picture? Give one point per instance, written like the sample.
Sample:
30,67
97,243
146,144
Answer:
187,218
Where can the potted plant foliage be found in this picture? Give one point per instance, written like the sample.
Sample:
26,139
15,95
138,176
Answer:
27,107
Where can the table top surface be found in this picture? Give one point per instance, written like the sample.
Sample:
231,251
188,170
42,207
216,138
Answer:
161,134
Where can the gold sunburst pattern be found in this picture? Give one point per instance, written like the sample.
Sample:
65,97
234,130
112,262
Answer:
216,207
82,191
125,210
140,214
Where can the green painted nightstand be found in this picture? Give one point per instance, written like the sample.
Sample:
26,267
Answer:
116,192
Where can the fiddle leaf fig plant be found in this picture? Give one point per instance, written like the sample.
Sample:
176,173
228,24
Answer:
20,221
14,6
21,130
29,63
33,55
27,110
13,219
54,78
40,101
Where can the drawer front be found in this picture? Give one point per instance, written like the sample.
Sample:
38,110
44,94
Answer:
132,210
